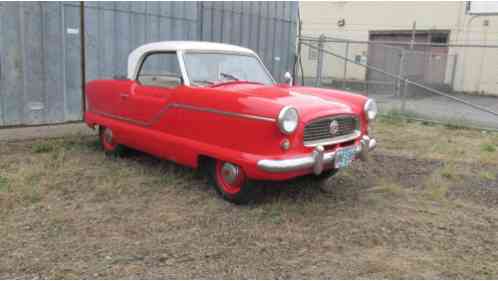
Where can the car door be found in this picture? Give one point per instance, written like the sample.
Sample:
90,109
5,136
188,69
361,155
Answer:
158,79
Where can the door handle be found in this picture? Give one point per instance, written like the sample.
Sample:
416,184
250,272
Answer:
124,95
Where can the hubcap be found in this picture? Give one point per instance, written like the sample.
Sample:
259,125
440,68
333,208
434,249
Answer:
230,173
108,135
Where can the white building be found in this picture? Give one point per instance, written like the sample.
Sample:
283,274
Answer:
470,69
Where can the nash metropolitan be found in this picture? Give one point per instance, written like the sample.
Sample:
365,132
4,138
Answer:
216,107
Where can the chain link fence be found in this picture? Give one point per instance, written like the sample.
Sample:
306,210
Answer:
419,81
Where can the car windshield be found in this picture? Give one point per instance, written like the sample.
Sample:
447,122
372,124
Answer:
206,69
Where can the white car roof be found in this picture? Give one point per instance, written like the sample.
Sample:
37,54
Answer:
138,54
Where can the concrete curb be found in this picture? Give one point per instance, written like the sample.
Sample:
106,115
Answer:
41,132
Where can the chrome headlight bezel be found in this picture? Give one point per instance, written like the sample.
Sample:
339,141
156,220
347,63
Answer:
288,120
370,109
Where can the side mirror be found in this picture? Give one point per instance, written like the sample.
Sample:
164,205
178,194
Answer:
288,78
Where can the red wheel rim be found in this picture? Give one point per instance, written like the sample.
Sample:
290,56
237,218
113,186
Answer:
106,137
230,177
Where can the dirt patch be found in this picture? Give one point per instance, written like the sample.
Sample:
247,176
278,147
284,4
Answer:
69,211
408,171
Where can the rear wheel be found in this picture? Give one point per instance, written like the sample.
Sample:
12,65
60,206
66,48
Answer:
231,182
108,142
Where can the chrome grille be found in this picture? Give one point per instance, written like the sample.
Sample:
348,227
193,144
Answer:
318,131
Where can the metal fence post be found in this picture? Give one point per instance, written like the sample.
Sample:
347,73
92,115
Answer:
429,70
403,95
453,71
319,63
345,66
400,73
403,76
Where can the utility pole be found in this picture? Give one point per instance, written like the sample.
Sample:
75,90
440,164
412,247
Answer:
319,62
405,86
345,66
414,28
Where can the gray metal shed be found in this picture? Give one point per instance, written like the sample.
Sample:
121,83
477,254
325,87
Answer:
47,49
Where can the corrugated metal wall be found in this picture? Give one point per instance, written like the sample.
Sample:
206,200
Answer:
41,53
113,29
40,63
269,28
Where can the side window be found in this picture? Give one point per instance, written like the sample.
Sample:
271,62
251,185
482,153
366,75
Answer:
160,70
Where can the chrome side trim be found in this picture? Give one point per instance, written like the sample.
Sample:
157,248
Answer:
113,116
163,111
335,140
226,113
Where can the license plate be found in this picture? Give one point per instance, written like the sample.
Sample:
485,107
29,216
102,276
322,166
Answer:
344,157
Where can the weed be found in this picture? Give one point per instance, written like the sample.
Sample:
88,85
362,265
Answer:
429,123
29,194
457,124
42,147
4,184
436,186
57,158
94,144
57,223
454,126
449,171
488,147
438,183
168,178
487,175
26,185
393,117
397,117
274,214
388,187
106,190
70,144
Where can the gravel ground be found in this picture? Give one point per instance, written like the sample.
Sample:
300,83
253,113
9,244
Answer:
423,207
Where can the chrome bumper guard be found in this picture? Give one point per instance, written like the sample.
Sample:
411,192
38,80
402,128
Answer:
316,160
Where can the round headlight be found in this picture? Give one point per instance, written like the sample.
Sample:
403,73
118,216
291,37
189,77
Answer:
370,109
288,119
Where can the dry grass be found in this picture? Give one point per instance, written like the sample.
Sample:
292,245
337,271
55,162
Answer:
440,142
425,207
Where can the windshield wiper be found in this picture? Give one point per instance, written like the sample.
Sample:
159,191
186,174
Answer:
204,82
229,76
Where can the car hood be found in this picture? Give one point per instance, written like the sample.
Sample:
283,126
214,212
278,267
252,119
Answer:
310,102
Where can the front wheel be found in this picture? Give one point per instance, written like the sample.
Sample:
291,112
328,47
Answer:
231,182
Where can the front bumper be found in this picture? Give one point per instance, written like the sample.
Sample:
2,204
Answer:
316,160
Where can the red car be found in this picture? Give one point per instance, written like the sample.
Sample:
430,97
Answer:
216,107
